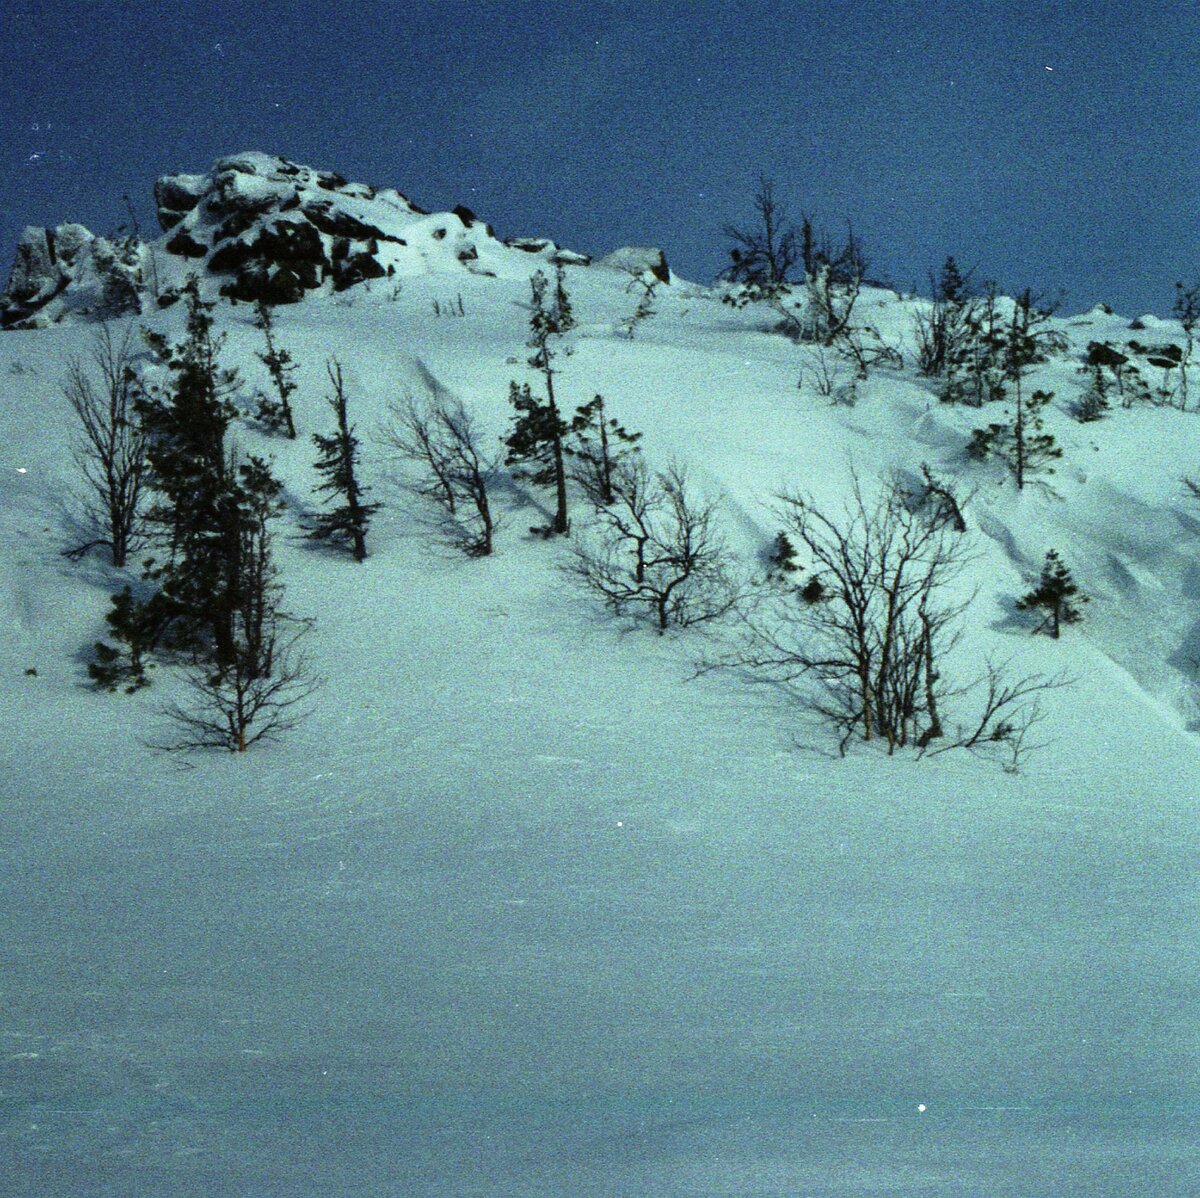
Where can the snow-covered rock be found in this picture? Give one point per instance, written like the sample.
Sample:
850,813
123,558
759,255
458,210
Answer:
263,227
639,259
68,269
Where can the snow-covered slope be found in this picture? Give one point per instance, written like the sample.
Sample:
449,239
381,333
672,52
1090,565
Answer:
526,909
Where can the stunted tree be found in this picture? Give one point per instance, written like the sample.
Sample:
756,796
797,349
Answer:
275,412
204,495
110,449
941,332
235,708
1056,594
1187,311
647,282
832,289
1020,442
337,462
136,626
865,644
657,549
598,445
1025,340
443,441
260,692
536,443
763,255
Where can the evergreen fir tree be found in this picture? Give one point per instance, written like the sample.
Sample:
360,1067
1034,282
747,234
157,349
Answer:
204,496
941,332
1022,444
1057,594
135,626
338,463
537,438
1093,404
782,557
275,413
599,444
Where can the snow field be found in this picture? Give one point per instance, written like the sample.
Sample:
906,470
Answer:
523,909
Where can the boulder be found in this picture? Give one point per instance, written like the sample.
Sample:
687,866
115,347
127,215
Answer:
35,272
639,259
186,246
176,195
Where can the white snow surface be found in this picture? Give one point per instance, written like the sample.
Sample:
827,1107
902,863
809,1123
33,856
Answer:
524,908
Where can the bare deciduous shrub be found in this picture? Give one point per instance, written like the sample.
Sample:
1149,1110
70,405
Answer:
442,440
258,691
237,706
868,652
657,548
111,449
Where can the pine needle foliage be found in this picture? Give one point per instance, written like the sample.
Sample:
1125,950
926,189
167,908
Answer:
536,443
204,495
598,445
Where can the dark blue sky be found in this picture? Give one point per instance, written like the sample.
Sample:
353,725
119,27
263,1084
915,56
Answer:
934,127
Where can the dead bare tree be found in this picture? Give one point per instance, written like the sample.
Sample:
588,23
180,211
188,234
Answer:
657,549
443,441
938,499
110,449
875,639
832,291
764,254
237,706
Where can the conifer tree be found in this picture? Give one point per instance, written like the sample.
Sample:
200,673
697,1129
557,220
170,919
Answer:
599,444
338,461
1056,594
203,494
782,558
942,331
537,437
257,693
275,413
1026,340
1093,404
1022,444
204,499
133,625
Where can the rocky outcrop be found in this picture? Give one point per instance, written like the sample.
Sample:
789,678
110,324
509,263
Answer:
261,227
56,271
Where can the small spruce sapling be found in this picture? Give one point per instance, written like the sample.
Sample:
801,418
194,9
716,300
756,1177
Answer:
538,433
1021,442
135,625
599,444
338,463
275,412
1057,594
782,557
940,333
1093,404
